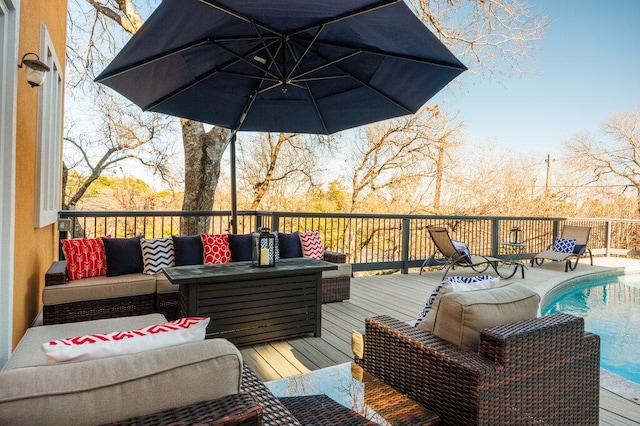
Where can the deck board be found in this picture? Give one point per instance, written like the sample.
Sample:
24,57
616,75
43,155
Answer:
401,296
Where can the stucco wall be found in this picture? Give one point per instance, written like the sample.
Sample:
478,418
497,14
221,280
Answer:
35,249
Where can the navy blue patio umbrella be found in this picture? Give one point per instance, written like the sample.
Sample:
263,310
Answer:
294,66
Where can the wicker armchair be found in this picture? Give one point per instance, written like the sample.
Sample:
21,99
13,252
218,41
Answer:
539,371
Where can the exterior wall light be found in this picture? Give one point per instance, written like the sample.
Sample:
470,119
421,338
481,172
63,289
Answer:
35,69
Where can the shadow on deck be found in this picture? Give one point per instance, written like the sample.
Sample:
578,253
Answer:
403,297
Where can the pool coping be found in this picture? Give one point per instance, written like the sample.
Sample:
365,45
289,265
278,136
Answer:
609,381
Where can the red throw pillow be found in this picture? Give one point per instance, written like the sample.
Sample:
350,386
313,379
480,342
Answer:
216,248
312,245
85,257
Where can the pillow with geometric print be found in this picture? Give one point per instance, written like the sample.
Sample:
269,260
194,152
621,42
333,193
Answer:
85,257
95,346
564,245
216,248
312,245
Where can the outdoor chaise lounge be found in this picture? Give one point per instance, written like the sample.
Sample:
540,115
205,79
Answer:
568,248
447,255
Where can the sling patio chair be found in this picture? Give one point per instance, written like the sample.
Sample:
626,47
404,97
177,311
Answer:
568,248
450,253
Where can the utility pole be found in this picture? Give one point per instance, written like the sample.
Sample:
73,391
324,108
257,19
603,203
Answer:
547,187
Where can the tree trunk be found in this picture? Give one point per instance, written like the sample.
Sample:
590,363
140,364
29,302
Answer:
202,158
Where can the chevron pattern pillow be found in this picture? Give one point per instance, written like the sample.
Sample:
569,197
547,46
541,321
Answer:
157,253
95,346
312,245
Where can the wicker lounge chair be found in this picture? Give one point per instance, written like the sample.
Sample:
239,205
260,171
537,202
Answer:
539,371
447,256
581,236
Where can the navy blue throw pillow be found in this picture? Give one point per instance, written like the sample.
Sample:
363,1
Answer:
241,247
189,250
124,256
463,250
290,245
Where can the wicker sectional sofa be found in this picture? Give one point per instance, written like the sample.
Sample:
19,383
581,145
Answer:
203,382
137,293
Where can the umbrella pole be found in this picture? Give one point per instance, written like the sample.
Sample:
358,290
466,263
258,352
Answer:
234,201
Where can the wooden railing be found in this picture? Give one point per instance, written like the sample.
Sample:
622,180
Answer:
370,241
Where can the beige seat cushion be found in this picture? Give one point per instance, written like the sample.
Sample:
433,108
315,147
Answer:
115,388
447,287
98,288
461,316
29,354
344,270
164,286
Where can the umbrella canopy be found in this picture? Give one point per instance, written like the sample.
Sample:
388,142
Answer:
294,66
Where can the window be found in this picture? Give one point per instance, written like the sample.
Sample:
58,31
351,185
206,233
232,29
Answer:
49,136
8,87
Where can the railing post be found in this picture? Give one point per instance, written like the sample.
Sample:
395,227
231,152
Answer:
607,238
495,237
275,222
406,233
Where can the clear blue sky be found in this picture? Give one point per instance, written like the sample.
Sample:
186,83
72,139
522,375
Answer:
588,68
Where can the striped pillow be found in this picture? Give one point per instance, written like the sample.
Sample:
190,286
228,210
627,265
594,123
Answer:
95,346
157,253
312,245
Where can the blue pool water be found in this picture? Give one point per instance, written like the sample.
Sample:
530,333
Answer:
611,309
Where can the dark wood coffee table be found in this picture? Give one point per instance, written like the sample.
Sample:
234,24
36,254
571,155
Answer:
353,388
248,304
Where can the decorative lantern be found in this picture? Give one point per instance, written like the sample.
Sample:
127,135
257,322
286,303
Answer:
264,248
515,231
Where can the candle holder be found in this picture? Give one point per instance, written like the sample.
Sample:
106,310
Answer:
264,248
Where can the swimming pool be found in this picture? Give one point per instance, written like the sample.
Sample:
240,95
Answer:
611,309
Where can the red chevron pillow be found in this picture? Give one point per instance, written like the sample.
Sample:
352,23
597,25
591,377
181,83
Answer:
85,257
216,248
93,346
312,245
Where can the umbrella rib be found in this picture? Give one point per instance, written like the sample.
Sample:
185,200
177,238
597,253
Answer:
442,64
152,59
348,15
326,77
299,60
370,87
242,57
315,106
238,15
271,56
327,64
201,77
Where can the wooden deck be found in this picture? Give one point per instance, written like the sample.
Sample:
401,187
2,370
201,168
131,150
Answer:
402,297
